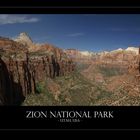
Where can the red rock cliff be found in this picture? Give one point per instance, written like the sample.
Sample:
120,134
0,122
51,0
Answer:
20,69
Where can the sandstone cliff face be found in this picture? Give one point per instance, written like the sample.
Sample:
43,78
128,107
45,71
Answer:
80,56
116,57
134,66
10,91
24,39
11,48
21,70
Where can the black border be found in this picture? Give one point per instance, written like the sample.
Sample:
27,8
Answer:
125,118
70,10
69,3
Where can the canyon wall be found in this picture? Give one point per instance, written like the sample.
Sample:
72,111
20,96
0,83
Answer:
20,71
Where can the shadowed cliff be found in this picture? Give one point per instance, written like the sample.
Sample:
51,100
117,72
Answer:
10,91
22,70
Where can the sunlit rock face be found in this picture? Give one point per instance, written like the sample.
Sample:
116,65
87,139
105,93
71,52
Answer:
21,68
133,49
24,39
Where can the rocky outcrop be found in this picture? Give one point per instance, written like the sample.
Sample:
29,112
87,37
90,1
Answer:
132,49
119,56
134,66
24,39
80,56
21,70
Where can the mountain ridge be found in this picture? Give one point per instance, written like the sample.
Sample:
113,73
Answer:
66,77
22,70
25,39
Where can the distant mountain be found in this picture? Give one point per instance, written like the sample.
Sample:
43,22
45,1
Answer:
132,49
24,38
77,53
43,70
117,56
118,50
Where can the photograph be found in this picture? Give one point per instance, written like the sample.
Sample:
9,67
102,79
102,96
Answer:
70,68
69,59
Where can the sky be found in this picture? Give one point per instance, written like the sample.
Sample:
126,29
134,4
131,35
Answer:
91,32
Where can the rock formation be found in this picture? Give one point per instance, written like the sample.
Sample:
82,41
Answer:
24,39
119,56
24,64
21,69
11,92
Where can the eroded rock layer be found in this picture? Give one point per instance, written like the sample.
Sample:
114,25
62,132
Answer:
21,70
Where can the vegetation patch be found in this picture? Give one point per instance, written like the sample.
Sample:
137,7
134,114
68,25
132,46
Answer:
81,66
39,88
110,71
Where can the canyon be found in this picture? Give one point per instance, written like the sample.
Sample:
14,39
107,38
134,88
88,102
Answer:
21,69
42,74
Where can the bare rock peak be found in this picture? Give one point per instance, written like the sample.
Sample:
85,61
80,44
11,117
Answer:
24,38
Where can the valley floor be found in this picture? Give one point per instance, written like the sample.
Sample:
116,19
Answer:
92,86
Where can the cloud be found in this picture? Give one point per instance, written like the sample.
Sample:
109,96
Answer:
12,19
75,34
